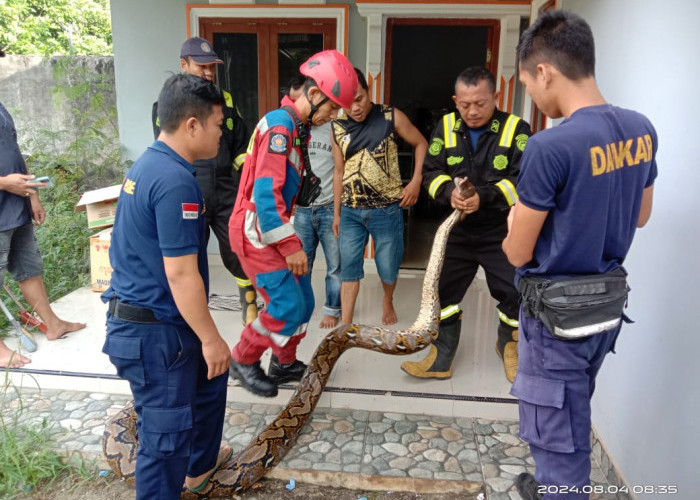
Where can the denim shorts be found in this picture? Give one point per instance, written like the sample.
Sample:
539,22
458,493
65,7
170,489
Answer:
385,225
19,253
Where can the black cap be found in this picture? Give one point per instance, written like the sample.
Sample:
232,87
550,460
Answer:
200,50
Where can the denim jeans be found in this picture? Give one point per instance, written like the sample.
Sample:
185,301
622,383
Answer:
386,227
314,225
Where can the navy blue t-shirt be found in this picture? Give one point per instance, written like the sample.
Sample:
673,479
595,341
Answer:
15,211
589,174
160,213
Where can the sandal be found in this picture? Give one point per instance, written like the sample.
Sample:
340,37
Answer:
224,456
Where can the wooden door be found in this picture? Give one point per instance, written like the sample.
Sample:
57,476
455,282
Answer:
261,55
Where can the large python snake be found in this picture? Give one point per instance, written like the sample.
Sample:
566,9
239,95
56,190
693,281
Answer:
120,440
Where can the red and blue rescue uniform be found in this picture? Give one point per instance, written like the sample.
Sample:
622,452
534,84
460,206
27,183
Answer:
262,235
180,412
589,173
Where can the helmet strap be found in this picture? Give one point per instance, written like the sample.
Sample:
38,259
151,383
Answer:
314,107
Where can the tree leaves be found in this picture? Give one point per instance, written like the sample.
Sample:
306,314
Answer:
55,27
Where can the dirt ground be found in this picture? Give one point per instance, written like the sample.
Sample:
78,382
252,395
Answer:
113,489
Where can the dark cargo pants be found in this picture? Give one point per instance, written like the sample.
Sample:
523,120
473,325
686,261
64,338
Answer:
180,412
554,383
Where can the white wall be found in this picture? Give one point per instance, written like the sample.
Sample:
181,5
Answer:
647,404
147,37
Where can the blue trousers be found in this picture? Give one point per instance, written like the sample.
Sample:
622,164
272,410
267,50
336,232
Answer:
314,225
180,412
554,383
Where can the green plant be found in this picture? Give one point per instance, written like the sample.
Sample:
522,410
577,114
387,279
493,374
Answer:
91,159
88,150
27,457
47,27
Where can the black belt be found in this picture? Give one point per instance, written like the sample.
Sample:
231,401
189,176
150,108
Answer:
134,314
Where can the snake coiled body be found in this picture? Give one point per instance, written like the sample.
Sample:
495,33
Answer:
120,440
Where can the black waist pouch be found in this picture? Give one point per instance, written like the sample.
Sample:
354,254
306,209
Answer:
310,189
577,307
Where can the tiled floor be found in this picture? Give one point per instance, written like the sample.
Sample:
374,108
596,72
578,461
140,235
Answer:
361,380
355,448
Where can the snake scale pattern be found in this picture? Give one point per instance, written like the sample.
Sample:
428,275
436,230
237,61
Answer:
120,440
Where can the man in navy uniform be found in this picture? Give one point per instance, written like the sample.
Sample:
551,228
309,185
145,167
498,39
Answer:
575,216
160,335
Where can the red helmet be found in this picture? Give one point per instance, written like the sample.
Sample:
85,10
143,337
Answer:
333,74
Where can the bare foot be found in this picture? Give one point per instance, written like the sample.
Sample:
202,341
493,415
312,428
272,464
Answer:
62,328
197,483
328,321
10,358
388,314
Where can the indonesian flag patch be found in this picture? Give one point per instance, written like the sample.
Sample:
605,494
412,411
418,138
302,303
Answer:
190,210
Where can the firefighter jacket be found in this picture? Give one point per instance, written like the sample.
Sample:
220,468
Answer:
270,184
493,168
233,143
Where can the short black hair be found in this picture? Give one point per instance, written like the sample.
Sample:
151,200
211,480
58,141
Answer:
184,96
473,75
562,39
295,82
361,80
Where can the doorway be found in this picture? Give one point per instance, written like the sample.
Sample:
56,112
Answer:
423,59
261,56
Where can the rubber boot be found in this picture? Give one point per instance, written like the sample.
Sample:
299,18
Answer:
249,306
291,372
507,349
438,362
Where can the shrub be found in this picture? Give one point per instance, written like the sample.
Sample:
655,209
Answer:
92,159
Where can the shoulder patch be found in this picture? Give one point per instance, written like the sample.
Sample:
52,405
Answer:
129,186
278,144
436,146
521,141
495,126
190,210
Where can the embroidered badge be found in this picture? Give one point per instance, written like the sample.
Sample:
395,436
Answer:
190,210
278,144
435,146
521,141
129,186
229,123
495,125
454,160
500,162
205,47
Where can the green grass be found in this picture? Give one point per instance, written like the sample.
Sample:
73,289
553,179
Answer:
27,456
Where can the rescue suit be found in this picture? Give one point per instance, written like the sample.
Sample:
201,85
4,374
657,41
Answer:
493,168
262,235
